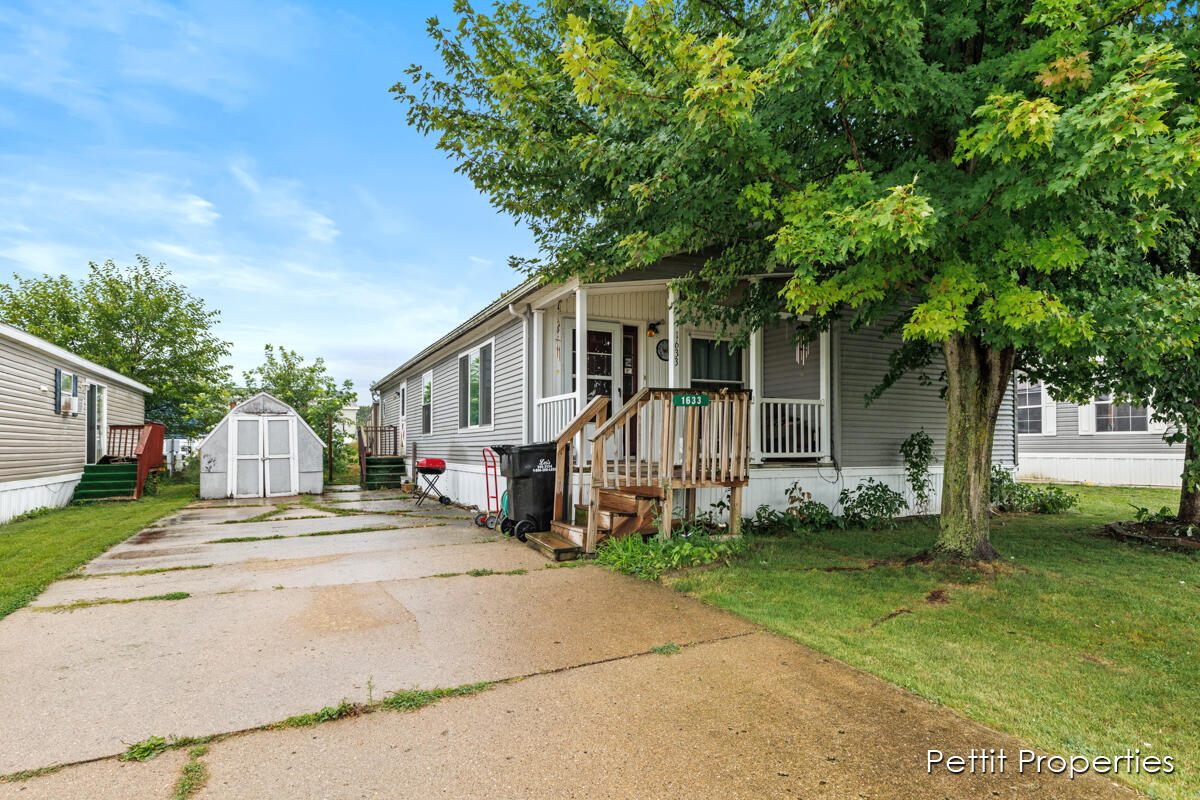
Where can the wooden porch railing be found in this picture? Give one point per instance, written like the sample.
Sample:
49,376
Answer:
381,440
377,440
123,442
569,458
140,443
653,442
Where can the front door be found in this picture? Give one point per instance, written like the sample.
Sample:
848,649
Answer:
603,361
279,449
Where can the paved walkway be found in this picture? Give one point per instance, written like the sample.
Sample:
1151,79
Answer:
582,707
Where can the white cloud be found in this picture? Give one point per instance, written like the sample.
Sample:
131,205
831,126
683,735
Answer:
482,262
105,61
280,200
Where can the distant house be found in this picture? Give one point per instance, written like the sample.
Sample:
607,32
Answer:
61,415
525,368
1103,442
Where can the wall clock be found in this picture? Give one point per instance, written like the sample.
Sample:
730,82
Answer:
663,348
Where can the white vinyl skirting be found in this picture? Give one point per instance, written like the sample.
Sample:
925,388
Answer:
1103,469
18,497
464,483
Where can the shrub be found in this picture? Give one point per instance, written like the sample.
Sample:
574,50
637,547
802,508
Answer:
918,456
1008,495
871,504
803,516
650,559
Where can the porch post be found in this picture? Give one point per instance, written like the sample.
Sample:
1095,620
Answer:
756,390
826,400
581,323
538,347
674,380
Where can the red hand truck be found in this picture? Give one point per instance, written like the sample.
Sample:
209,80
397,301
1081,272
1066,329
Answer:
491,480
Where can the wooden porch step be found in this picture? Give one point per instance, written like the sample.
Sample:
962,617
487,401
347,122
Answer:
553,546
572,533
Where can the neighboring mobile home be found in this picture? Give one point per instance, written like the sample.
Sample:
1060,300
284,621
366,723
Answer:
508,376
59,413
1103,442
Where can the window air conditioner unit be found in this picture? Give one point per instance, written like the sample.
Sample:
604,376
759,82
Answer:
69,405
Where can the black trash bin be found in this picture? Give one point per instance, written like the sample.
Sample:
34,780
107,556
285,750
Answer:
529,469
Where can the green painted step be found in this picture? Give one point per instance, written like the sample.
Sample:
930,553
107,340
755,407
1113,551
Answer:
112,486
110,469
98,494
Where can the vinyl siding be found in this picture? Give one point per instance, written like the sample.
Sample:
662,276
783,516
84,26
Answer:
783,375
35,441
448,441
871,436
1067,438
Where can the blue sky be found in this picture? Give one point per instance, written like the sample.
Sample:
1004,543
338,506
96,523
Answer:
254,148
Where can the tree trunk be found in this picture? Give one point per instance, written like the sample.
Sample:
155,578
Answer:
1189,493
977,378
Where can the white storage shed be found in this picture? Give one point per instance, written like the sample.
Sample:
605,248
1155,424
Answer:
262,448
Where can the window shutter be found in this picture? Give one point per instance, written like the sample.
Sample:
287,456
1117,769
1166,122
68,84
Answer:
1049,412
1087,419
75,395
485,385
464,389
57,390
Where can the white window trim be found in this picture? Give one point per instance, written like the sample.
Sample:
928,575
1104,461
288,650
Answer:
711,336
1087,423
429,374
476,350
1049,413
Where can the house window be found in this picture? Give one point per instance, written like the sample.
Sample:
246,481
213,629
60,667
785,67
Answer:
427,403
1114,417
714,366
402,396
1029,407
66,389
475,387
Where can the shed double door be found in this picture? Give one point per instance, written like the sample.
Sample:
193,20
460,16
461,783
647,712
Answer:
266,463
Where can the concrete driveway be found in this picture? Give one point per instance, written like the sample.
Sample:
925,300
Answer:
362,596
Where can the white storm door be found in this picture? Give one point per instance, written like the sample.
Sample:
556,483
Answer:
279,456
247,472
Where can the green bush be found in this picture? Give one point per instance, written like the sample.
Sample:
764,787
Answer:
649,559
872,505
1008,495
803,516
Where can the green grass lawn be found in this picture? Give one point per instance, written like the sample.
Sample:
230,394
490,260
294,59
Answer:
1077,644
36,552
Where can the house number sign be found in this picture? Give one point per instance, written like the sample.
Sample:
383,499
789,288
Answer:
690,399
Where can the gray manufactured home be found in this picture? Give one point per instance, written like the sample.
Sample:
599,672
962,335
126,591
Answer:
1105,442
59,413
509,375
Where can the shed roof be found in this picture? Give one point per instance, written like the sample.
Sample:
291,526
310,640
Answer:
244,407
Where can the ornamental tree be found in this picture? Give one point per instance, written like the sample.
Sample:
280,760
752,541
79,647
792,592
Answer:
976,168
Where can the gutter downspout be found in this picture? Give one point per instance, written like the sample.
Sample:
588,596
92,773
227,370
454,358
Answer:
526,318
